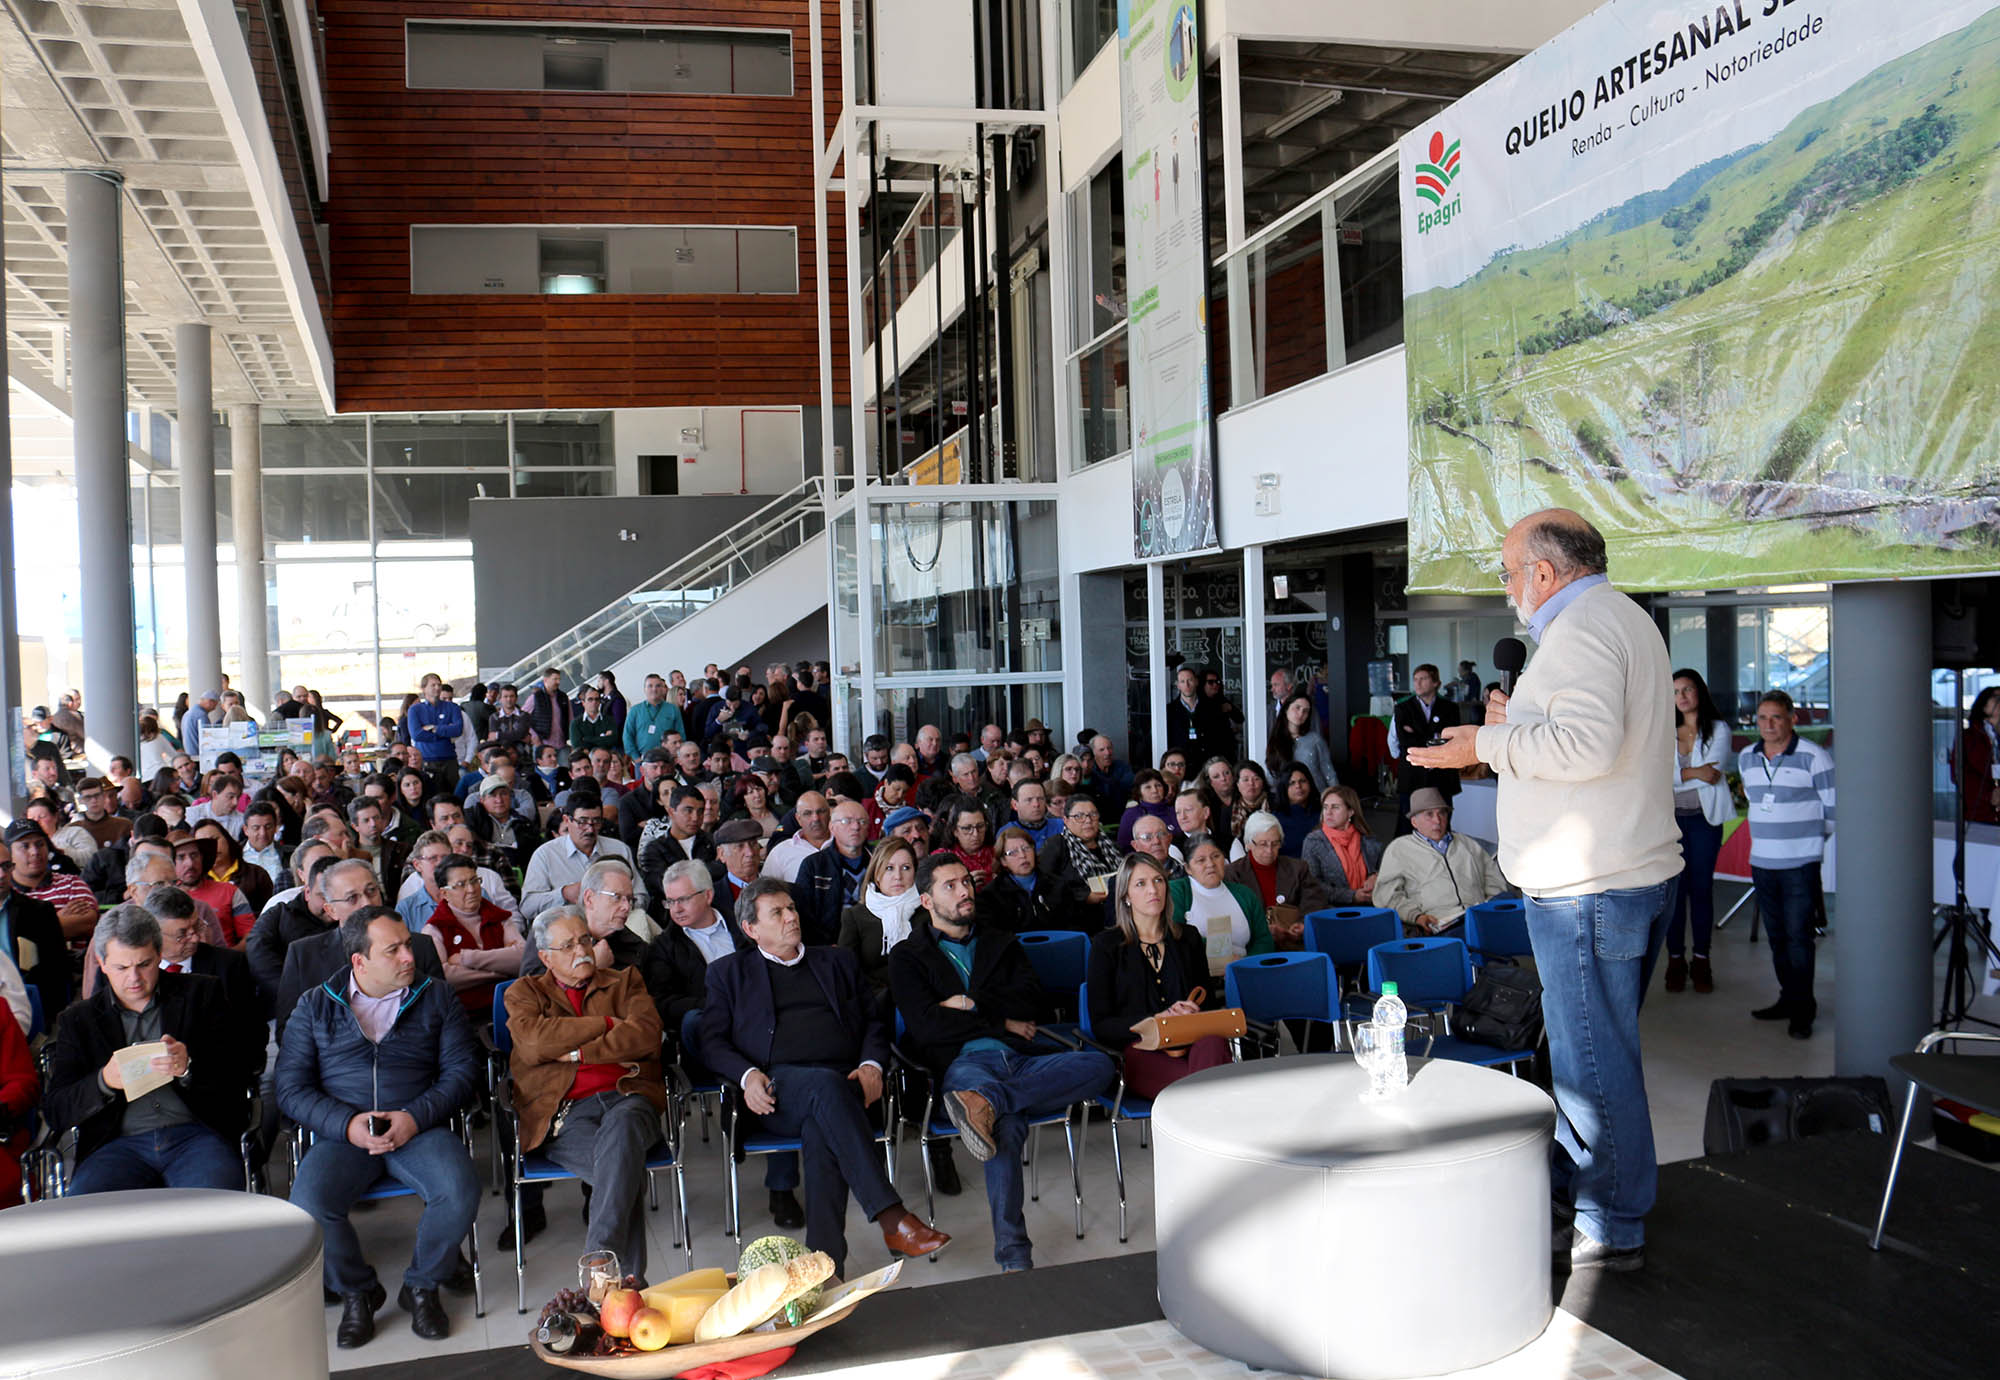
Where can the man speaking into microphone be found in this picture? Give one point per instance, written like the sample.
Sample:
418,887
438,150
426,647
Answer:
1584,753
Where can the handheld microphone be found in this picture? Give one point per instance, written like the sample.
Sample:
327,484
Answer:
1510,654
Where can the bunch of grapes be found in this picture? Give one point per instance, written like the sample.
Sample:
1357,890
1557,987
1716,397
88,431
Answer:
570,1301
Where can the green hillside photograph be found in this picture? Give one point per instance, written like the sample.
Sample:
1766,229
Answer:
1783,367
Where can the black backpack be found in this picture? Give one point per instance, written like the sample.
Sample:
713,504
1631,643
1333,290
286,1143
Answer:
1503,1009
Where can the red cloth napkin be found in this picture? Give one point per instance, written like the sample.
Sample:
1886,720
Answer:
743,1367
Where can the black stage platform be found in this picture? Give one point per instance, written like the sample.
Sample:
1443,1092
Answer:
1757,1266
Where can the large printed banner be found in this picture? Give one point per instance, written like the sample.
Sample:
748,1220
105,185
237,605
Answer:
1166,278
1726,279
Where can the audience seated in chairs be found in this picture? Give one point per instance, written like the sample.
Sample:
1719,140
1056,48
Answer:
794,1028
1431,875
1147,965
374,1063
588,1087
970,1001
182,1134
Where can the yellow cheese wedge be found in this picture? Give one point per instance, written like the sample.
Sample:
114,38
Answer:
685,1310
714,1277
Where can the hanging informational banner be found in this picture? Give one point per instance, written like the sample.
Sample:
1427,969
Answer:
1724,278
1166,277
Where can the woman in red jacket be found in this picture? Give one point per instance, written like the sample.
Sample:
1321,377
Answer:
20,1092
1978,754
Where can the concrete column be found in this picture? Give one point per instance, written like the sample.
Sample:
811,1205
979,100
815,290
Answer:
103,497
246,498
16,757
195,458
1256,680
1156,653
1882,920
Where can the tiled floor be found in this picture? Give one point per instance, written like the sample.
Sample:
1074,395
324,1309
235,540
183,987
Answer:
1154,1351
1690,1040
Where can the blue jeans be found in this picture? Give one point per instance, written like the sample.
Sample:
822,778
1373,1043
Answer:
1021,1087
185,1156
781,1172
1694,905
1786,897
1595,954
334,1176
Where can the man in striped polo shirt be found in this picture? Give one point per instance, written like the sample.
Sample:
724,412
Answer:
1789,782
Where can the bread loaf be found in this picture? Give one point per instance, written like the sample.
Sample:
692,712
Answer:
761,1293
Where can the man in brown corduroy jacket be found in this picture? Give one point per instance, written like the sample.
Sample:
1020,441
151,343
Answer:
587,1080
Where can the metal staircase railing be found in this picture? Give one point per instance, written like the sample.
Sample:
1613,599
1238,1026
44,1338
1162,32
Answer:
684,588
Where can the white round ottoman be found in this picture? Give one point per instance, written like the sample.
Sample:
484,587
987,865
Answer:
1302,1229
164,1284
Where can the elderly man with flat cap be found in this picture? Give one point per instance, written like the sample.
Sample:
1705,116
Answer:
739,855
1431,876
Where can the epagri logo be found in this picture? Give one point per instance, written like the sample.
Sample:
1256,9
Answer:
1433,183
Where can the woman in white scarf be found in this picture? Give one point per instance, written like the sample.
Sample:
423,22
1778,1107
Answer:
884,915
1229,915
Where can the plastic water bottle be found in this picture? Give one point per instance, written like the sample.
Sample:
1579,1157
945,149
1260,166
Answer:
1390,1073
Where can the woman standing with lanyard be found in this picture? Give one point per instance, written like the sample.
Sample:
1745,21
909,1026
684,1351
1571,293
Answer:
1701,804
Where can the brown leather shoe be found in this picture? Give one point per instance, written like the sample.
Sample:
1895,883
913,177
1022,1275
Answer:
972,1114
906,1234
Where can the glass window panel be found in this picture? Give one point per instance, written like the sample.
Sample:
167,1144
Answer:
1101,404
580,442
425,603
1098,214
562,484
345,680
429,507
441,443
966,587
966,709
315,445
1091,25
847,598
324,605
403,671
312,507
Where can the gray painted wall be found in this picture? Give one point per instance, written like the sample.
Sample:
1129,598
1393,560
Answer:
541,565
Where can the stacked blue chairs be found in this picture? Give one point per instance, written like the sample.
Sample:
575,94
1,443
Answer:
535,1168
1299,986
936,1127
1436,974
1497,929
1345,934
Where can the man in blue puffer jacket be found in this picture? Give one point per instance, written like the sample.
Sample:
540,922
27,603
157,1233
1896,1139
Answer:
374,1063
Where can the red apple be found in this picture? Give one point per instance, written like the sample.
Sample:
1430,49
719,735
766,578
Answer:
650,1329
615,1314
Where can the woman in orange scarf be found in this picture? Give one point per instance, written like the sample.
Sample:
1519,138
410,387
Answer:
1343,855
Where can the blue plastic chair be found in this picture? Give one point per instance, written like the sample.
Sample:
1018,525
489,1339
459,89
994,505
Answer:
535,1168
1345,934
1497,929
1060,958
1116,1105
1437,973
1277,987
936,1126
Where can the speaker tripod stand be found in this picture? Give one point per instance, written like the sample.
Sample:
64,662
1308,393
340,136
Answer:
1959,925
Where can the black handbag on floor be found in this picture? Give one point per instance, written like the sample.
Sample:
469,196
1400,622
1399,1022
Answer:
1503,1009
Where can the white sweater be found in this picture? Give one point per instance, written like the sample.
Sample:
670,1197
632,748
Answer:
1586,758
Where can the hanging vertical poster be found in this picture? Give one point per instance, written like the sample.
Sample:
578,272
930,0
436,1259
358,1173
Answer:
1166,267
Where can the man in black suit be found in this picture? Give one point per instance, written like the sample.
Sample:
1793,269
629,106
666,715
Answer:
1420,718
793,1027
1196,724
181,1134
182,951
284,923
683,839
31,934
